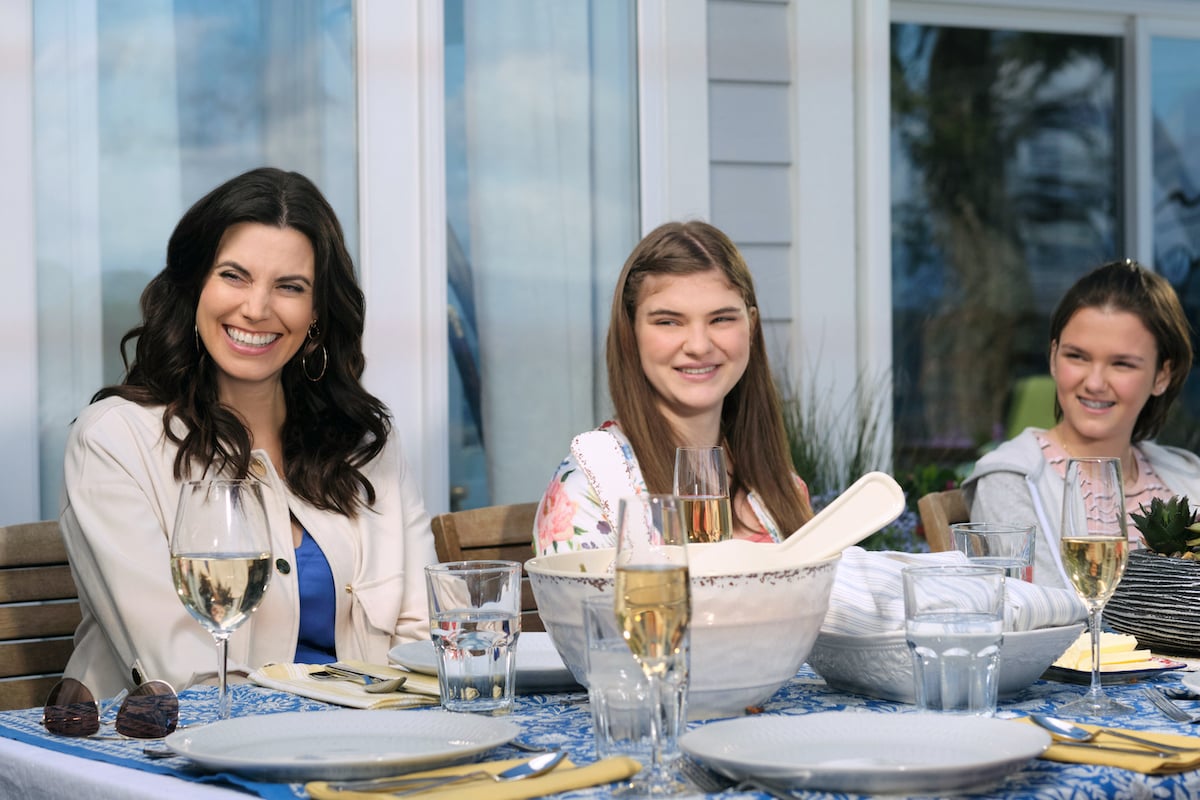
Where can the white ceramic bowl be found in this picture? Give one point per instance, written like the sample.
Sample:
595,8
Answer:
750,632
880,665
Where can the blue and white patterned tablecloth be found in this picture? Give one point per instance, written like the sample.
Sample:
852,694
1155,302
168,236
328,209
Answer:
563,721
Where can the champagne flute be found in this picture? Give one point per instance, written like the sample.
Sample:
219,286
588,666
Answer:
1094,545
221,560
702,484
653,608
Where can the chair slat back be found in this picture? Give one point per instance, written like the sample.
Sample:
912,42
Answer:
39,611
940,510
493,532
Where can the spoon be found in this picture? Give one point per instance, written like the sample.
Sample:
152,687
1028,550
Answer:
526,769
1060,727
382,686
867,505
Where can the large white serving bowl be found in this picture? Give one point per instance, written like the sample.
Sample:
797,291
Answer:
880,665
750,631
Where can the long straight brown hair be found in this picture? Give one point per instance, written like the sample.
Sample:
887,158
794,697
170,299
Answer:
752,415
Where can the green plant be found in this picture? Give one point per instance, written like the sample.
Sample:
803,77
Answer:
833,444
1170,528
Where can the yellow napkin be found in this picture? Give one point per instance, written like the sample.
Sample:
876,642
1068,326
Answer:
1149,764
563,778
418,690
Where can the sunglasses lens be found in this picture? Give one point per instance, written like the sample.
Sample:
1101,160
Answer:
151,711
71,710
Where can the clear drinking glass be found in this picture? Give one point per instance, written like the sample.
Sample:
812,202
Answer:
652,602
702,485
998,544
221,560
1095,545
475,622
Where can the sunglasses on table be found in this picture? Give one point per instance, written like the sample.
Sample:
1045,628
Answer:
150,711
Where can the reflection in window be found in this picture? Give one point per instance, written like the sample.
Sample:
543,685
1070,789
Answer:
1175,121
1005,184
541,196
141,108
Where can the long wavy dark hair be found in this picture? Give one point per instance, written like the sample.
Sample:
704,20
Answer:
1129,286
334,426
751,416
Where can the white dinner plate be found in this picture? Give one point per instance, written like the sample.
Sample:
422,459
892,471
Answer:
867,752
1192,681
341,744
539,666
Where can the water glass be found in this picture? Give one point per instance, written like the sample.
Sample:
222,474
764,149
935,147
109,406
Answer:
998,544
954,623
474,621
702,485
619,692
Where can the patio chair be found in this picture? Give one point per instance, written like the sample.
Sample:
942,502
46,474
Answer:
492,532
940,510
39,610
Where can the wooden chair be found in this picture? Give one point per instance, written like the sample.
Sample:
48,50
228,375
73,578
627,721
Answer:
940,510
39,610
492,532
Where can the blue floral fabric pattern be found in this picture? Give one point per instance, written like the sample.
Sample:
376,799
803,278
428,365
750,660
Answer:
564,721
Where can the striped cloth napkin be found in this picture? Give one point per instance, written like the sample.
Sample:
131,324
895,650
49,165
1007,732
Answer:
418,690
868,596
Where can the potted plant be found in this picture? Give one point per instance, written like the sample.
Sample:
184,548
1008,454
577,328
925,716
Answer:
1158,599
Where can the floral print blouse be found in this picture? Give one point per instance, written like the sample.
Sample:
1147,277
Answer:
578,509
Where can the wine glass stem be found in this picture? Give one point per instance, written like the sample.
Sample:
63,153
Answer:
656,745
1094,625
224,702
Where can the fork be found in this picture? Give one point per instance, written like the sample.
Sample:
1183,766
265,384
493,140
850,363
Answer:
712,782
1165,705
703,778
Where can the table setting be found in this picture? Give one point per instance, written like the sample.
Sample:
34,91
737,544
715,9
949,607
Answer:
851,674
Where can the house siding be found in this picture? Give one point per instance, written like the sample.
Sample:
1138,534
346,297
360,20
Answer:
750,149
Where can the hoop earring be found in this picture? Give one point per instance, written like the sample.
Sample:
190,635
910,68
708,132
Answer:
196,336
324,364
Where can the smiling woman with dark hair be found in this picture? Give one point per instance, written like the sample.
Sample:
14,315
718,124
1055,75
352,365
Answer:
1120,352
247,363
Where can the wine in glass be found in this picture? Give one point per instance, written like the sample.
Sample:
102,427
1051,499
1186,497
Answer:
1094,545
653,608
221,560
702,484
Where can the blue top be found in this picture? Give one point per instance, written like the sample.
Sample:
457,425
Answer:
317,604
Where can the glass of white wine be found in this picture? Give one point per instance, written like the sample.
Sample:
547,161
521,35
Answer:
221,560
702,485
653,604
1095,545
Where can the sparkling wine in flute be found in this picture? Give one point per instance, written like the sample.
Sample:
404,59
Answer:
221,591
1093,546
653,606
1095,565
707,518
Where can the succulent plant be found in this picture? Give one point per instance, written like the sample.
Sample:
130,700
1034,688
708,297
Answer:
1169,527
